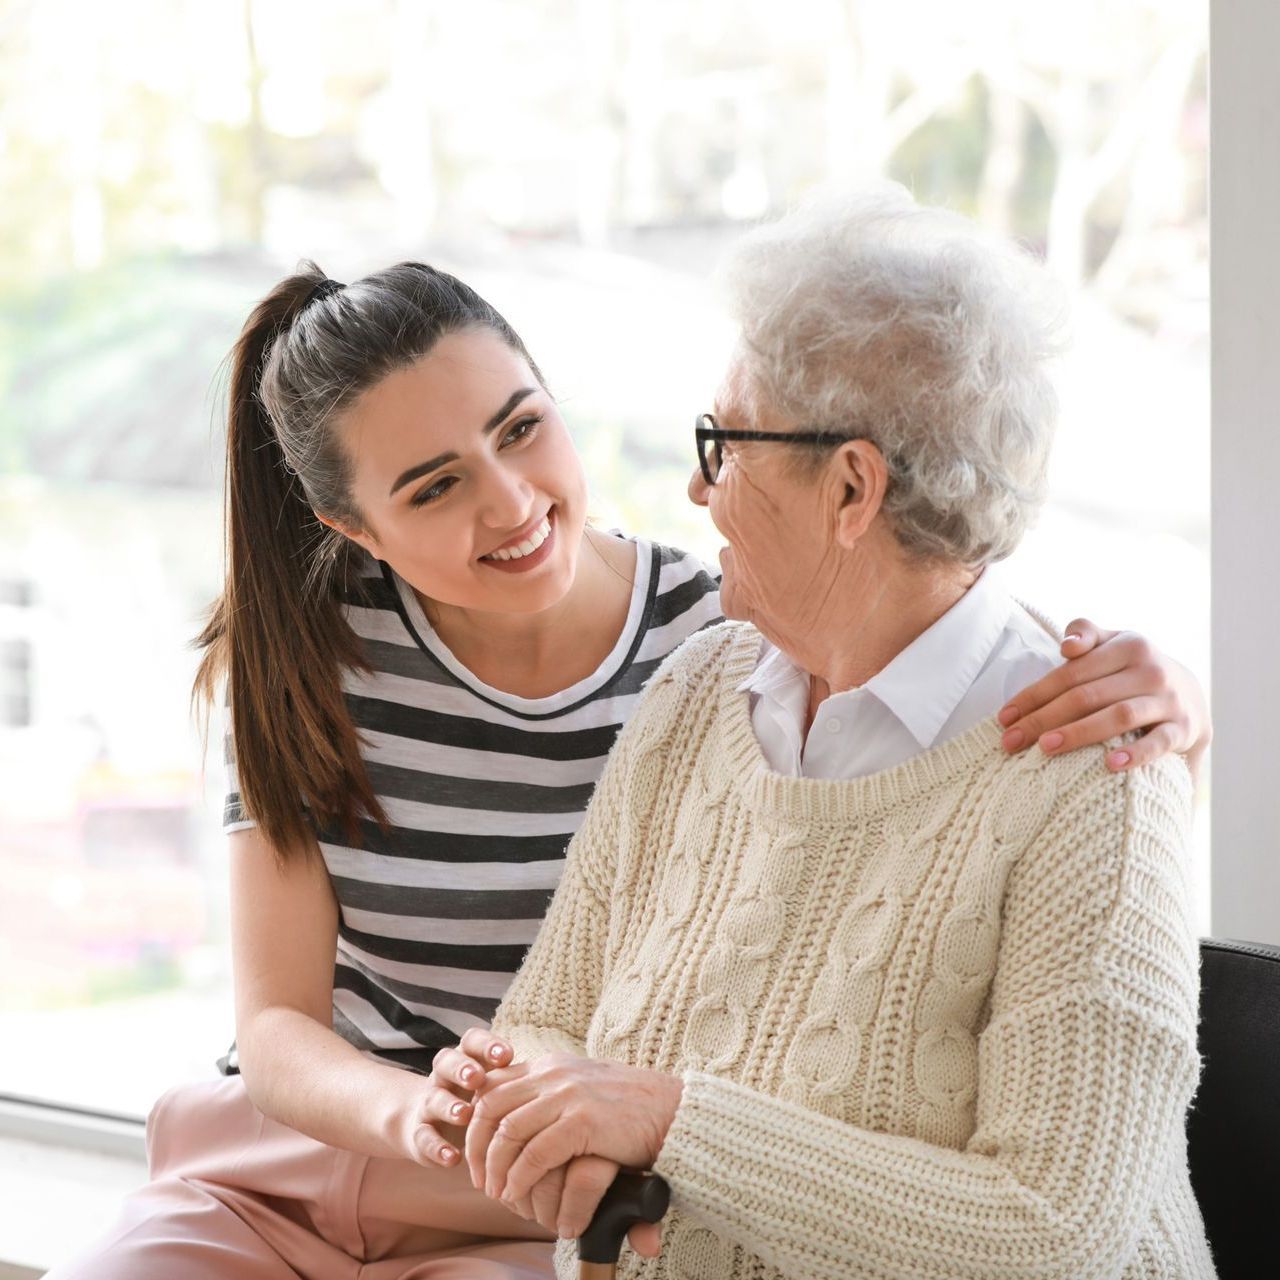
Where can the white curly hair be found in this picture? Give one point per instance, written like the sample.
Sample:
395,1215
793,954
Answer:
863,312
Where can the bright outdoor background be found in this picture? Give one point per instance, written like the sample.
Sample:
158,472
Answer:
582,162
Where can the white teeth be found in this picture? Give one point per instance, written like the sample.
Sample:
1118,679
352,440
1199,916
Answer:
527,547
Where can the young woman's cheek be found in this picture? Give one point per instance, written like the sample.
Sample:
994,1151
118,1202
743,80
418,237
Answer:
566,476
435,555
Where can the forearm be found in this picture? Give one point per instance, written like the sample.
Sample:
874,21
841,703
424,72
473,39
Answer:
304,1075
1064,1203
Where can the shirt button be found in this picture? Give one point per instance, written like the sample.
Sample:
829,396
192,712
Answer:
834,725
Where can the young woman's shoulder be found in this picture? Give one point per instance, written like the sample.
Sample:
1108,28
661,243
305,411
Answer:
369,595
686,596
672,555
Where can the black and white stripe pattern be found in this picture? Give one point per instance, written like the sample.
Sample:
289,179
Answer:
483,790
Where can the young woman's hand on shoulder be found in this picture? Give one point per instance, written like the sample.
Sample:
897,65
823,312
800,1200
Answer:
1113,682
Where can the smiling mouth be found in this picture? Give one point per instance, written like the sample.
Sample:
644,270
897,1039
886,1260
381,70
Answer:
527,545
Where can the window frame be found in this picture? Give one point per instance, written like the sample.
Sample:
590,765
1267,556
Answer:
76,1128
1244,43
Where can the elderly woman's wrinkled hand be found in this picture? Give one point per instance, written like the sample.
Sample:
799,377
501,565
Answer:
1113,682
532,1118
565,1200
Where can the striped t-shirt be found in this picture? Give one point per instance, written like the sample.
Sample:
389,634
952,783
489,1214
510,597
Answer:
482,790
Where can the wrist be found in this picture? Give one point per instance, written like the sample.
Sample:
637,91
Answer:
398,1113
672,1094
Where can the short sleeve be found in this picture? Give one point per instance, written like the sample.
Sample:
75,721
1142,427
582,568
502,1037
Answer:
234,817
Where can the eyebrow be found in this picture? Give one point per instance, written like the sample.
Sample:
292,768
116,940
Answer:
440,460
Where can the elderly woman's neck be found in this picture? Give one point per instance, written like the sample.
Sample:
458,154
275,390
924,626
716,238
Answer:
870,618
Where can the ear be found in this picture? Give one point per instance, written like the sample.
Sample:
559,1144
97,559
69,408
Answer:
860,471
360,538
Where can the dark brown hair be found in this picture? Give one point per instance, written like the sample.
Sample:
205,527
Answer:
278,633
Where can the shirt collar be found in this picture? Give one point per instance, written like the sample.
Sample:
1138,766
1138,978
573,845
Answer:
924,684
773,672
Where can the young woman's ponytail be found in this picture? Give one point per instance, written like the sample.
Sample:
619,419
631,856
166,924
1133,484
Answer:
277,633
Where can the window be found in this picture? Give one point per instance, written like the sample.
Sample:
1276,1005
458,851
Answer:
162,169
15,683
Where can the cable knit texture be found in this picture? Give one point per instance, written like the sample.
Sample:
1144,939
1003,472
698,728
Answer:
938,1022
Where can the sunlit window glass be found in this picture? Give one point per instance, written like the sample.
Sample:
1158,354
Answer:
162,165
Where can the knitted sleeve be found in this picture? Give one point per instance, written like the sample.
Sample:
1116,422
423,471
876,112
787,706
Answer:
548,1006
1085,1069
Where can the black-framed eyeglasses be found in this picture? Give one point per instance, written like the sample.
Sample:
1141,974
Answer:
711,460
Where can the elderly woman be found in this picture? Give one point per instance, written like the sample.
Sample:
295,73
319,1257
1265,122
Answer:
876,998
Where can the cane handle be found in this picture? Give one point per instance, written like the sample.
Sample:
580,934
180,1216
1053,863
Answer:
632,1198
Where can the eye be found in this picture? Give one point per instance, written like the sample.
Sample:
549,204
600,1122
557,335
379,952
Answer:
434,491
525,429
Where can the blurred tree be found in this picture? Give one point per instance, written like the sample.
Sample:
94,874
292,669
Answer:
1105,82
600,134
1004,167
256,175
583,117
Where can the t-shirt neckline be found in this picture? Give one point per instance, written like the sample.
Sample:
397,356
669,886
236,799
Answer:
617,660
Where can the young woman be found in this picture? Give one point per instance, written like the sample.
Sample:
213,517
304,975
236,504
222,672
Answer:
429,653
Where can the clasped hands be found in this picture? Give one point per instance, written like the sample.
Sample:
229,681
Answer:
547,1137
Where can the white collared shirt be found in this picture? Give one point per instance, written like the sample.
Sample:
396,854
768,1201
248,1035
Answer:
964,668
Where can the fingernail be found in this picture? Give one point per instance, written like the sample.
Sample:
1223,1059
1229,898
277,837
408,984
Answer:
470,1075
1118,759
457,1109
1013,739
1008,715
496,1051
1070,636
447,1154
1051,742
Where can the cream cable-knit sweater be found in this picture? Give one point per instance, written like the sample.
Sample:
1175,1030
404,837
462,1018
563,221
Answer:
935,1022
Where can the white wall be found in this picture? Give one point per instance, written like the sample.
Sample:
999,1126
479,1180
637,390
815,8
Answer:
1245,209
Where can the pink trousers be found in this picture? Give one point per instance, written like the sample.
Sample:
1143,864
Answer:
236,1196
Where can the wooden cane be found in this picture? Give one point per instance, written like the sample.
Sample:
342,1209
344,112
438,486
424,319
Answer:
632,1198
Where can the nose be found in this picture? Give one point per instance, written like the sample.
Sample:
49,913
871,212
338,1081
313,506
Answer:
698,488
508,499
